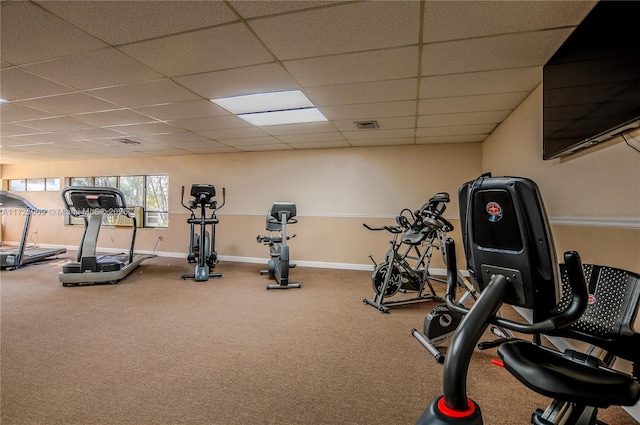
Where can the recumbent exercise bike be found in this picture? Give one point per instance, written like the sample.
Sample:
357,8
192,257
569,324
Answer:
511,260
202,245
406,264
278,266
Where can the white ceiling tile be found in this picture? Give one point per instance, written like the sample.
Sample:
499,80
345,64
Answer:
365,111
252,141
147,128
482,54
303,128
252,9
29,34
311,137
113,118
98,68
211,123
340,29
455,130
94,134
383,142
485,82
195,144
401,133
16,112
229,46
221,149
175,139
255,148
321,145
233,133
183,110
454,20
145,94
247,80
485,102
120,22
383,123
17,130
466,118
379,91
451,139
17,84
57,124
68,104
389,64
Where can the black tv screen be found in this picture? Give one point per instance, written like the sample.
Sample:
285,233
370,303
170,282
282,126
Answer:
591,85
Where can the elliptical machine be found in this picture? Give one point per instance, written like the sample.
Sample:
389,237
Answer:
281,214
202,246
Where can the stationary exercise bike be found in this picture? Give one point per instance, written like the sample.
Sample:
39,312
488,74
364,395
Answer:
202,245
405,267
511,260
281,214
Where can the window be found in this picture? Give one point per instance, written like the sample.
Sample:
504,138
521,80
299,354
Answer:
81,181
52,185
156,212
106,181
17,185
149,192
34,185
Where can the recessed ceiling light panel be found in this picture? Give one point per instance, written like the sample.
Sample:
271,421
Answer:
283,107
292,116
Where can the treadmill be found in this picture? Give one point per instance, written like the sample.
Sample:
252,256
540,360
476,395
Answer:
91,204
12,258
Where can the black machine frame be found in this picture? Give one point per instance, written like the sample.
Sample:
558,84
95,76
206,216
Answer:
279,265
13,258
91,203
405,267
202,246
511,258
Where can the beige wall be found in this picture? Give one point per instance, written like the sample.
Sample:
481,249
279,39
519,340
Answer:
335,190
600,185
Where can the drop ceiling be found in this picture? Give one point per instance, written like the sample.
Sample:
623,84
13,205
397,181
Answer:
78,76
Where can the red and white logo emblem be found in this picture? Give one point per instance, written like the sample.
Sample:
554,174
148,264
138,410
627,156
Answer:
494,210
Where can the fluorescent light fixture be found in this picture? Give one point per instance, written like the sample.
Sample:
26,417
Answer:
3,100
283,107
291,116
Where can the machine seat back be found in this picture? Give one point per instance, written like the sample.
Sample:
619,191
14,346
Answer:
283,207
505,230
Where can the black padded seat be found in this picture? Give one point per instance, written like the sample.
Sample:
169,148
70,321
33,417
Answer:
560,378
413,238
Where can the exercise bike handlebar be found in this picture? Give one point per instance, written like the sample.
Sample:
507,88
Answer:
391,229
557,320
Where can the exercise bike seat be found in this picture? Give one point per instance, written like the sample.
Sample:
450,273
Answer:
415,237
550,374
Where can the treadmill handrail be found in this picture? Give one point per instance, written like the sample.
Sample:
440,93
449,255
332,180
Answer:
11,200
95,190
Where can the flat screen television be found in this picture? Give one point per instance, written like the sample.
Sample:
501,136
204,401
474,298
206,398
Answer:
591,85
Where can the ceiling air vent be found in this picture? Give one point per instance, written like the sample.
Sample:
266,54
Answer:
366,125
126,141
